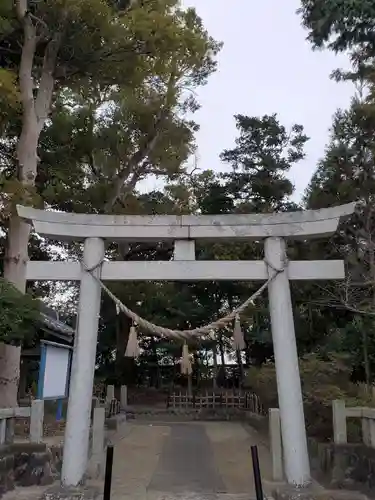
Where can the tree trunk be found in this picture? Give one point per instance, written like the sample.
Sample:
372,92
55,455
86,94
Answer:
190,384
222,357
366,360
156,378
35,110
9,375
240,368
214,372
123,324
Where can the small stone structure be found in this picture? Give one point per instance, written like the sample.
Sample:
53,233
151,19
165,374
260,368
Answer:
36,414
341,412
345,466
337,465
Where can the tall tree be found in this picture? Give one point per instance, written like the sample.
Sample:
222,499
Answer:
347,173
343,26
264,153
100,45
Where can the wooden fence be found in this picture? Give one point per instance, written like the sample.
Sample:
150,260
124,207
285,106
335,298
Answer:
241,400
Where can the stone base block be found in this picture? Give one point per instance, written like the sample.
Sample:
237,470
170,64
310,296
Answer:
114,423
64,493
289,493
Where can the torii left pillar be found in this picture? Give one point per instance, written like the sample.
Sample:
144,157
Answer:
83,368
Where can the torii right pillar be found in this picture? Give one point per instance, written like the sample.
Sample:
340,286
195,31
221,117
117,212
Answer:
293,430
296,458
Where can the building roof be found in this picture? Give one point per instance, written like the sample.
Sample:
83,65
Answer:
51,324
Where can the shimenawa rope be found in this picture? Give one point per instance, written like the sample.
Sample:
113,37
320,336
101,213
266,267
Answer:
183,334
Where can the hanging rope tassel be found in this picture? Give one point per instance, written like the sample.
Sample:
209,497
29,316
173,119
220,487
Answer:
186,368
132,349
238,339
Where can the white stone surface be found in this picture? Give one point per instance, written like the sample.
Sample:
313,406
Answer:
366,437
97,452
110,393
340,435
83,368
300,216
184,250
56,372
187,270
276,444
36,421
296,460
371,430
124,397
299,224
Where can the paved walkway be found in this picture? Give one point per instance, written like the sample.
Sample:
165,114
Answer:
190,461
180,461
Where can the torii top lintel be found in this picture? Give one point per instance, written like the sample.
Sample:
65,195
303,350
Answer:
304,224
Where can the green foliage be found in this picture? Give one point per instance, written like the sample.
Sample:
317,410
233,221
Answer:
265,151
124,80
19,314
323,380
343,26
346,173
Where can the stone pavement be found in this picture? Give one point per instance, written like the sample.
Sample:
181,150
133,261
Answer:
188,461
192,460
180,461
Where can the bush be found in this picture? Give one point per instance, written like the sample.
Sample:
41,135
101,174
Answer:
322,380
19,314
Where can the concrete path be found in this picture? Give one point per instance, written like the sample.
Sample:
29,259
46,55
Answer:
188,461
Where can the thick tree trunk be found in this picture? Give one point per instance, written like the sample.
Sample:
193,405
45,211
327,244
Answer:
35,110
18,231
9,375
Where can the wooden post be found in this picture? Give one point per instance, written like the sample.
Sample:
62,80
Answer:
340,435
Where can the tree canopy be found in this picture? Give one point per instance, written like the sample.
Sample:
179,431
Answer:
98,96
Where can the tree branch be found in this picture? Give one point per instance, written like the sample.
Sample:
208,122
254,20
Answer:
21,9
47,81
144,151
26,65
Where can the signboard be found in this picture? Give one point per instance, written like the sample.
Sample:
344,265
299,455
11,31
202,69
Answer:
54,370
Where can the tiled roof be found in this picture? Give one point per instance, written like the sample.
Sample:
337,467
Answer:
50,320
56,325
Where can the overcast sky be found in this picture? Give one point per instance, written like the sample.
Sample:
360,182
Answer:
266,66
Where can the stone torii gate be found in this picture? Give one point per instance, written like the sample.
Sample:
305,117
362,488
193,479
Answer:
183,230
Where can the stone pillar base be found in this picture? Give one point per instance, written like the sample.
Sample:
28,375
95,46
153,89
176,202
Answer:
315,493
71,493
